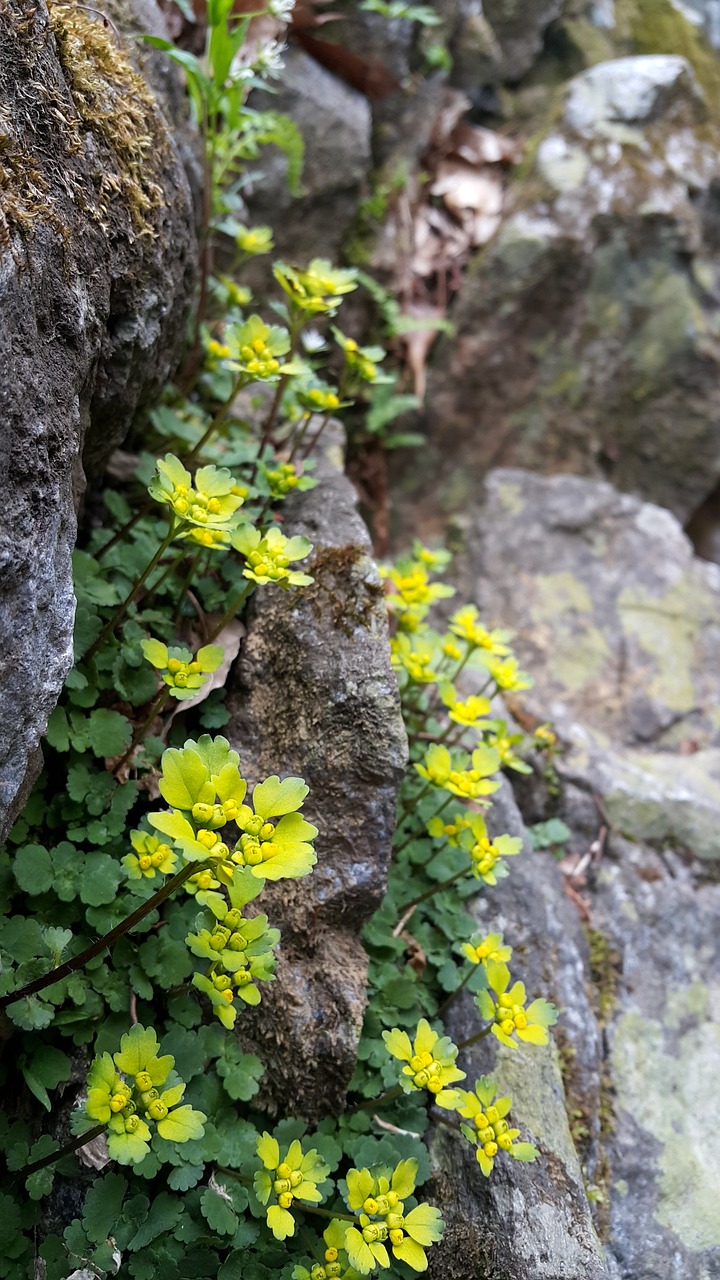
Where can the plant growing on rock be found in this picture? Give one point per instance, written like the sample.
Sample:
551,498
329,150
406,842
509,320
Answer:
139,861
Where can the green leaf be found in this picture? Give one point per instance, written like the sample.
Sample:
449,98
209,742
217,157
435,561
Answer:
99,883
218,1212
32,868
524,1151
109,732
185,778
241,1080
185,1176
273,797
139,1052
47,1068
162,1218
103,1203
182,1125
31,1014
155,652
57,733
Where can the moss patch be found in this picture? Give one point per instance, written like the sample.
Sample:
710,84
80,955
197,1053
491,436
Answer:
113,101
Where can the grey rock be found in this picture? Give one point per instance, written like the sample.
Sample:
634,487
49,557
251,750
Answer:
629,91
527,1222
313,694
615,617
97,262
663,1052
618,623
335,124
639,1033
587,331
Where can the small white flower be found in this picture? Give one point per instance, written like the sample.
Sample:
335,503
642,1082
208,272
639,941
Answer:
281,9
268,60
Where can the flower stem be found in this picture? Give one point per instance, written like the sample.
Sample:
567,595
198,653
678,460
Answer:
122,609
324,1213
241,381
81,1141
233,608
474,1039
399,848
436,888
102,944
454,994
376,1102
139,734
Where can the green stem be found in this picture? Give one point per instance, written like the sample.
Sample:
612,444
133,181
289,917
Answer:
323,1213
241,381
124,529
454,994
122,609
235,605
102,944
81,1141
139,734
296,325
376,1102
300,436
474,1039
172,564
399,848
189,574
436,888
312,443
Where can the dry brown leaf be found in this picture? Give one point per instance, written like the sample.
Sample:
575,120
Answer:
94,1154
463,186
452,108
482,146
418,342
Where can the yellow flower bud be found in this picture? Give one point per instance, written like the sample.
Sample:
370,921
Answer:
490,1149
281,1185
143,1081
283,1170
295,1178
370,1205
285,1200
157,1110
145,862
331,1255
396,1236
117,1102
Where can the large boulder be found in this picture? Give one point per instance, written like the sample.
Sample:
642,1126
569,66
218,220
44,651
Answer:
527,1221
616,621
97,266
334,121
587,331
313,694
619,624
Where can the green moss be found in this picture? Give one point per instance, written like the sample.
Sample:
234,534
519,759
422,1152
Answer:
657,26
47,170
604,968
114,101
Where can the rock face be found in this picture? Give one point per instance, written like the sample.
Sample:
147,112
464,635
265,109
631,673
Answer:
526,1222
335,124
314,695
97,261
634,964
618,623
587,331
